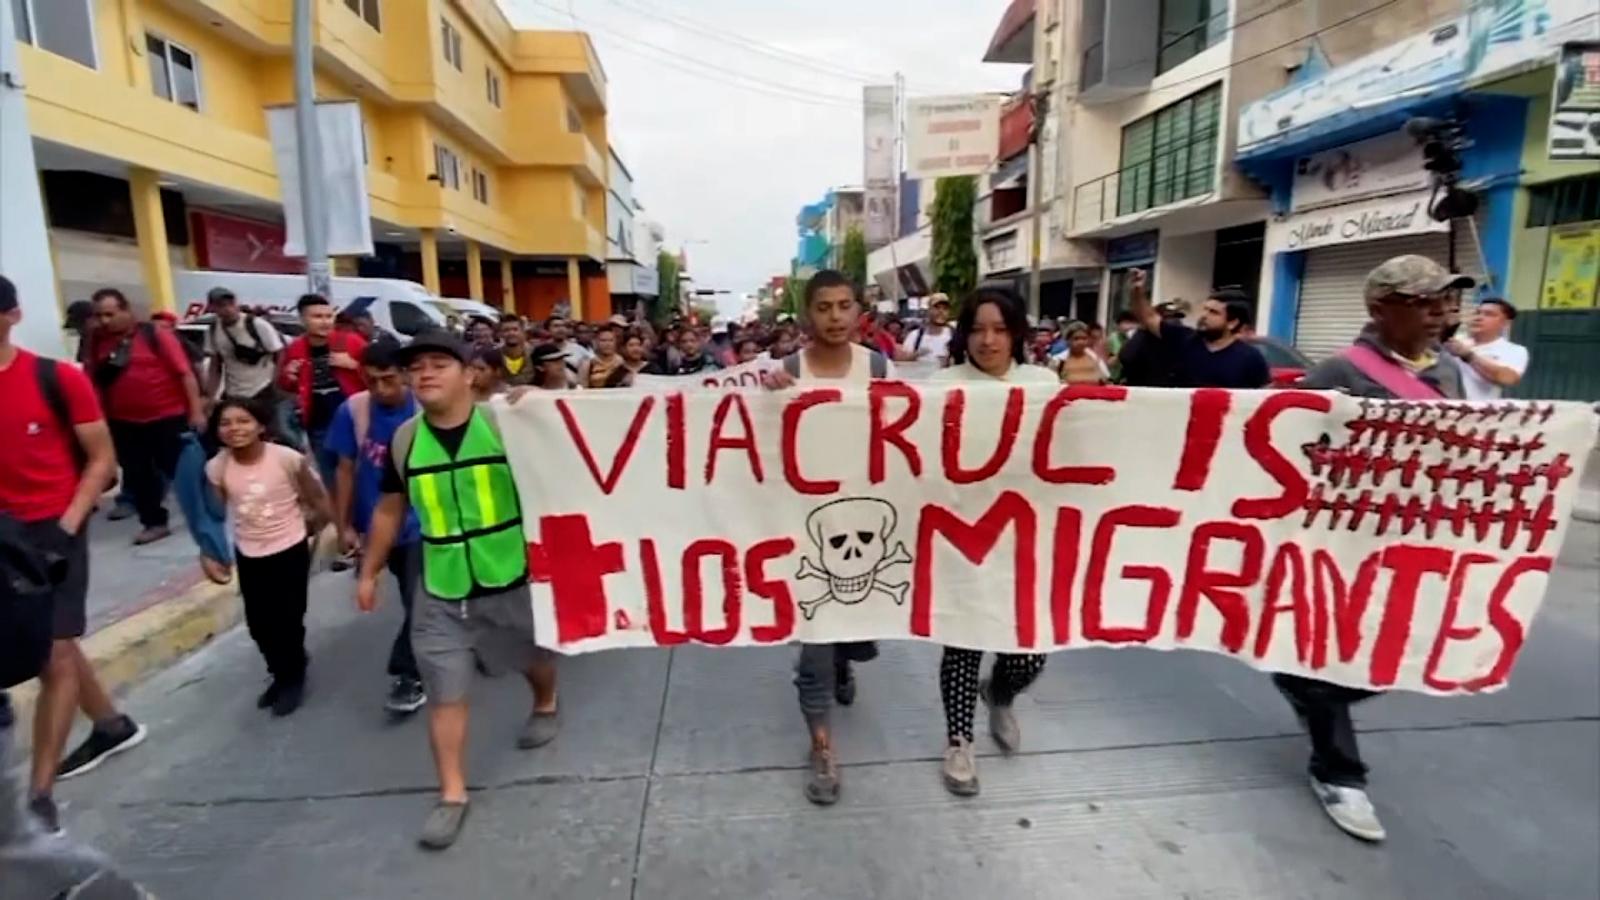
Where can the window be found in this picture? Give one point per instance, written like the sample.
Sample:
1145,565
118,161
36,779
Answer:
447,166
1188,27
1170,155
62,27
450,40
368,10
492,82
1564,202
574,121
408,318
174,73
480,185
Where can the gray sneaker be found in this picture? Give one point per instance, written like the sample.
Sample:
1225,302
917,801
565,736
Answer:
540,729
443,825
961,769
1003,723
822,787
1350,809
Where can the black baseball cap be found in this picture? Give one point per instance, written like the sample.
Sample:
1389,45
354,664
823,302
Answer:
8,295
434,340
219,295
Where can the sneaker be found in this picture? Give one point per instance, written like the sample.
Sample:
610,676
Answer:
102,744
406,696
822,788
151,535
44,811
443,825
1003,723
1349,809
289,698
844,683
961,769
119,512
540,729
270,695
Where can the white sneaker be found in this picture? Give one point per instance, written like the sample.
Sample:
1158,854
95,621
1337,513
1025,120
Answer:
961,769
1349,809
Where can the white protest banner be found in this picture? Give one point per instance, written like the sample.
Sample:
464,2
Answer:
1369,543
752,374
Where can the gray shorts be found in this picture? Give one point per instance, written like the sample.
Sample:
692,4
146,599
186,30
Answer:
451,637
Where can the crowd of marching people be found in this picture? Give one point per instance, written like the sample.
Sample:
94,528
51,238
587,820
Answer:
269,442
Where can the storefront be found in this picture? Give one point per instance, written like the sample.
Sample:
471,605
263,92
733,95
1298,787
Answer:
1124,256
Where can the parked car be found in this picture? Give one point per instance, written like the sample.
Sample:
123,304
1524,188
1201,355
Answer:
1286,364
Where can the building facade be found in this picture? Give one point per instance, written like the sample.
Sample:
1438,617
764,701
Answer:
632,242
486,163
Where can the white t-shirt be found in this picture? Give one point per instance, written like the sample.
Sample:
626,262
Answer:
1018,374
240,379
934,346
1499,350
860,367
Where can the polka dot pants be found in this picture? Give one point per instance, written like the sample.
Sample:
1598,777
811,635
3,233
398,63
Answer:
958,683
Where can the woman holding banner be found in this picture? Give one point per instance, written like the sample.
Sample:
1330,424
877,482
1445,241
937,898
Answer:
989,345
593,373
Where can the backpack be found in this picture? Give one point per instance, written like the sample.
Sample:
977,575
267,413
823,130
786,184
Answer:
248,355
361,416
49,379
879,364
195,355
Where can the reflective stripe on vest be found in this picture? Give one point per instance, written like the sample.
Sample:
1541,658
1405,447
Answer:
469,512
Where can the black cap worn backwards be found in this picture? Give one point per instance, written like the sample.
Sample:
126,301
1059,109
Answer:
433,340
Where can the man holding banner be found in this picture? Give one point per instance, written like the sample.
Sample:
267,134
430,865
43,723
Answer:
822,674
449,464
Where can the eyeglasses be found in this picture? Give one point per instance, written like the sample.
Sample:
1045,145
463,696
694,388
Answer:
1414,300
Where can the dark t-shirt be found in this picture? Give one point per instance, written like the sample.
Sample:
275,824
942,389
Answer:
1148,361
326,395
449,438
1237,365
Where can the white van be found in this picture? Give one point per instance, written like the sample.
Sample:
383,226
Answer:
399,307
462,309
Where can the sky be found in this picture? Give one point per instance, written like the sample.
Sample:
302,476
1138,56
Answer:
732,114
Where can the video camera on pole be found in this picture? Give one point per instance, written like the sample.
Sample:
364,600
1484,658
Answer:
1443,141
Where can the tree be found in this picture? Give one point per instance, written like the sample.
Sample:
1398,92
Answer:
854,261
667,304
955,262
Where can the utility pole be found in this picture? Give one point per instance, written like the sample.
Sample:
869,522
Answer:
308,151
1041,109
899,177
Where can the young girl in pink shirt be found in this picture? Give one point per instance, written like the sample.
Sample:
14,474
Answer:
270,490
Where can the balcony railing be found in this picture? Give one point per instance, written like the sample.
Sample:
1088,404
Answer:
1177,173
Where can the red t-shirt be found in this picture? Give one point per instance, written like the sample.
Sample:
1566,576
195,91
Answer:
151,387
36,453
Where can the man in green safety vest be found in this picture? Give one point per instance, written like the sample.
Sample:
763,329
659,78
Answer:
449,465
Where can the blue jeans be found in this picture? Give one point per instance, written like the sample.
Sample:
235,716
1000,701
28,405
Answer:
327,461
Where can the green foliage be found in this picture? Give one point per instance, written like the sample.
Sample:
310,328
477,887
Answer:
955,261
667,306
794,295
854,263
705,312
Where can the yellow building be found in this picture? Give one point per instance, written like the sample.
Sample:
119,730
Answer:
486,146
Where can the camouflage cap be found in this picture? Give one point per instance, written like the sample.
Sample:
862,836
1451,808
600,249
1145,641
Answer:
1413,275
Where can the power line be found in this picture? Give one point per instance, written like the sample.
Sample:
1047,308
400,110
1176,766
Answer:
812,65
722,74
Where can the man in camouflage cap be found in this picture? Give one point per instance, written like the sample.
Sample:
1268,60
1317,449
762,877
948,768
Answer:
1405,298
1396,352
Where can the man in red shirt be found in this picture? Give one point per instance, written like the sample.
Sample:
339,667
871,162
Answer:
56,453
322,368
151,398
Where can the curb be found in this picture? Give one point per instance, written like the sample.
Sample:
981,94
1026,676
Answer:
124,652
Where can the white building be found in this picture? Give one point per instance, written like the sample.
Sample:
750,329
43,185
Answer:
631,243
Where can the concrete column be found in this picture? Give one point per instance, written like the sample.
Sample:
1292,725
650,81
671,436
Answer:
474,271
430,261
574,287
144,190
508,292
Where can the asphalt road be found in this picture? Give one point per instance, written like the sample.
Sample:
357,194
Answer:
677,775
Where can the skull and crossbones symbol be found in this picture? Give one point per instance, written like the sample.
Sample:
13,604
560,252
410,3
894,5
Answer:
852,541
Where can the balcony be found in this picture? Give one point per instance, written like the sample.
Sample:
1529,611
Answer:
1016,126
1179,173
1013,38
1119,56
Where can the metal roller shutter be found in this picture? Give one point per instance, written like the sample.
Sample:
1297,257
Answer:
1332,309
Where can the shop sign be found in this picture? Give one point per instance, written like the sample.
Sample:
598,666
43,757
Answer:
952,136
231,244
1133,250
1354,222
1575,104
1417,64
879,164
1572,267
1389,164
